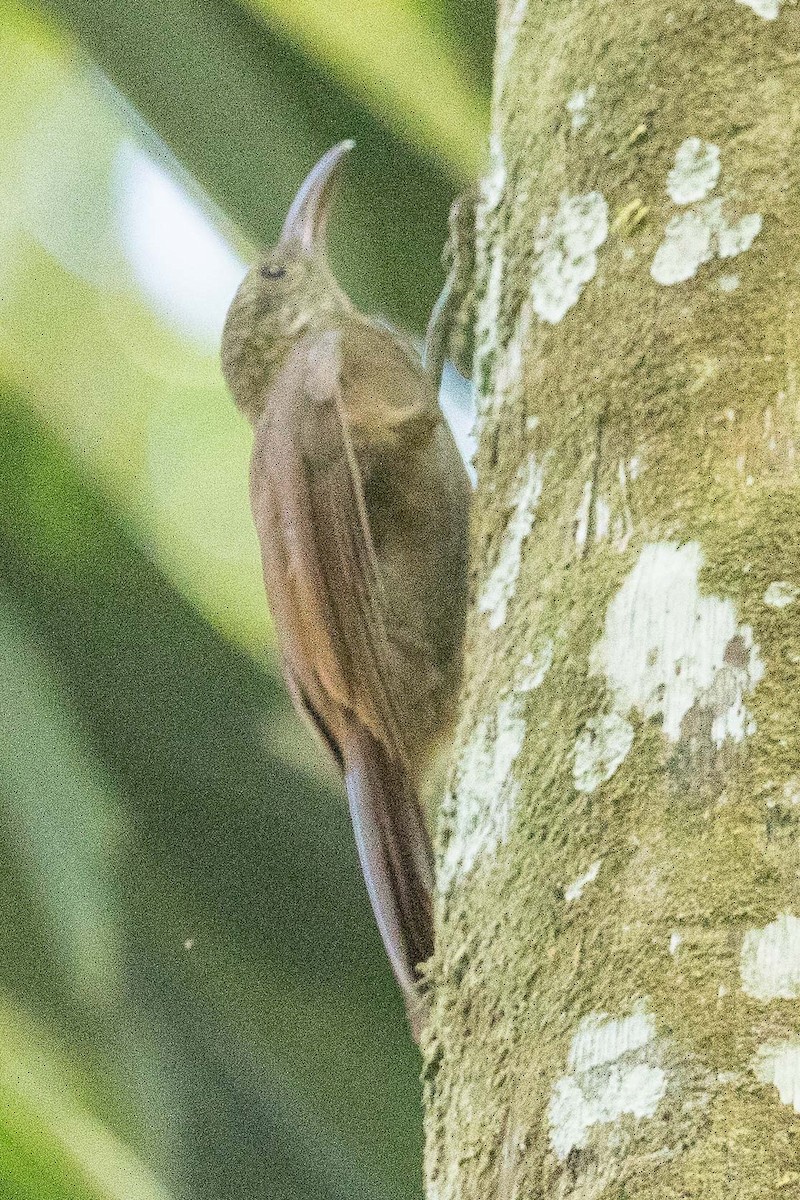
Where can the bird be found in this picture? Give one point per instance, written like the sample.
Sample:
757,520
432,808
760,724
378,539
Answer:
361,503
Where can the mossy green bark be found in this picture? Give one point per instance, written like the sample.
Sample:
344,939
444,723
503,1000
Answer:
665,422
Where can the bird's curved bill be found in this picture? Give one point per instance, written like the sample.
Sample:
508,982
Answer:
307,218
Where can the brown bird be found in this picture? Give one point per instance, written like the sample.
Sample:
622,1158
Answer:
360,501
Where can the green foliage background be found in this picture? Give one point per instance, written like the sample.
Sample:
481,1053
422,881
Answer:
193,999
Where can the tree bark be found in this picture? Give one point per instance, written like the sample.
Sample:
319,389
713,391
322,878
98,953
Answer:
617,980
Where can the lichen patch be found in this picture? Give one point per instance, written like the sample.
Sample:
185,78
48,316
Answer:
502,581
608,519
778,1063
780,594
566,254
507,36
602,745
576,889
732,240
613,1072
791,791
533,668
728,283
485,793
582,516
704,231
770,960
695,172
578,105
602,519
667,650
768,9
508,377
493,182
697,236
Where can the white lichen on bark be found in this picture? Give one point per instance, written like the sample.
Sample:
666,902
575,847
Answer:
770,960
778,1063
502,580
566,248
614,1072
576,889
507,40
780,594
533,668
508,372
698,236
704,232
583,515
603,743
768,9
608,517
577,106
667,649
485,791
728,283
695,172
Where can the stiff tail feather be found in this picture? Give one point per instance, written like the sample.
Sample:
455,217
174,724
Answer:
396,858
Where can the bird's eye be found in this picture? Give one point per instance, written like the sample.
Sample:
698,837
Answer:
273,272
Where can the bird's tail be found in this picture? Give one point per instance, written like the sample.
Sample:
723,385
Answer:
396,858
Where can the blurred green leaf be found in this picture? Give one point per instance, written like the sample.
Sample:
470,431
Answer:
390,52
52,1147
61,834
247,114
59,817
250,956
145,407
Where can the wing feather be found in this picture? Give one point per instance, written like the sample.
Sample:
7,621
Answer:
320,567
330,609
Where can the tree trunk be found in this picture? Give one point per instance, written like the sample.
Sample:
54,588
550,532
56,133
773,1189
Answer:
617,979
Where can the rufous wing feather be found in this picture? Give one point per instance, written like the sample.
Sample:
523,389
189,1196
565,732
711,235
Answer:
326,592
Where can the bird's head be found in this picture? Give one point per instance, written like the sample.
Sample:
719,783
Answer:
290,290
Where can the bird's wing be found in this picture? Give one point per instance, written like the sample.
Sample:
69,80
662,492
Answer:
320,569
325,587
